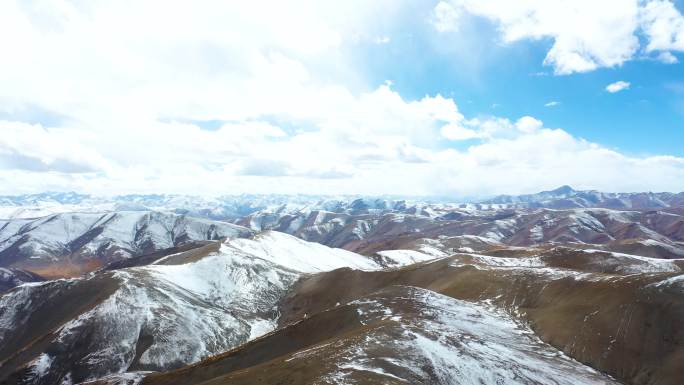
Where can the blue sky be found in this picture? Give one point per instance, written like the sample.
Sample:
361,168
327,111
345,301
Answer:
488,77
453,97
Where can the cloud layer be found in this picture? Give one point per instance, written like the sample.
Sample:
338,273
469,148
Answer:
221,97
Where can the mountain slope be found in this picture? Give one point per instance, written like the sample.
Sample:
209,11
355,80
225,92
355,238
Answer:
397,335
10,278
70,244
153,317
617,313
648,233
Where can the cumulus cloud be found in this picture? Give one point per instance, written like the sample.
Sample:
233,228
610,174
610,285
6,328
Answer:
618,86
585,34
528,124
663,25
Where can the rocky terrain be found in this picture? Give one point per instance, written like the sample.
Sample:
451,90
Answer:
10,278
564,317
397,335
649,233
363,291
173,311
70,244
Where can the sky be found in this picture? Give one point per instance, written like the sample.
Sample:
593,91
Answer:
459,98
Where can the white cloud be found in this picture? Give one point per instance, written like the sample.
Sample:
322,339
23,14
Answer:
552,103
618,86
663,25
585,34
528,124
667,58
518,156
457,132
445,17
292,113
553,156
35,148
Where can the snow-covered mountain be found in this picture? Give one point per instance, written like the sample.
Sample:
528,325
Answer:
333,316
398,335
155,317
416,292
229,207
69,244
648,233
233,207
468,319
566,197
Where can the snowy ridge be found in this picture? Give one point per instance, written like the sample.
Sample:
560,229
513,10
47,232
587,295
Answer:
102,237
184,312
404,257
636,264
296,254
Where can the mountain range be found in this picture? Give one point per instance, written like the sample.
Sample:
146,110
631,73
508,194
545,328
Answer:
231,207
317,290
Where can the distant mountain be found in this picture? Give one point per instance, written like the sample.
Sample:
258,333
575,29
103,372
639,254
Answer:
69,244
650,233
229,207
38,205
235,207
566,197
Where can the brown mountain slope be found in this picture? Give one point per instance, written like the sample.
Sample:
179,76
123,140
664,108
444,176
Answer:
619,314
397,335
626,325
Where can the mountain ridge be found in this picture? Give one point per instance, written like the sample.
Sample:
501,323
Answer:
232,207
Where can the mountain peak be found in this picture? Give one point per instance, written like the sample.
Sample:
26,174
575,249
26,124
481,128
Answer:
565,189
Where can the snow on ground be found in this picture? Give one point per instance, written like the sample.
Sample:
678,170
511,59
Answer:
500,262
636,264
51,235
193,310
667,246
41,365
404,257
190,311
508,262
129,378
536,233
296,254
673,282
438,339
619,262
